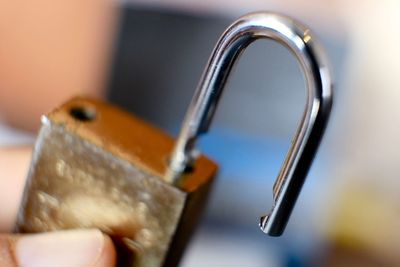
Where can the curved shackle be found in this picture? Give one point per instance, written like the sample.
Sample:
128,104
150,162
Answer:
232,43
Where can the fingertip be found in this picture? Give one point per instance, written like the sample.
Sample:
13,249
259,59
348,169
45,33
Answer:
107,257
14,164
70,248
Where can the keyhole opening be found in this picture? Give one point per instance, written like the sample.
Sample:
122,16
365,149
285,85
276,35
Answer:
84,114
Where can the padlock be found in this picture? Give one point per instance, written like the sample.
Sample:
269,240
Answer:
96,166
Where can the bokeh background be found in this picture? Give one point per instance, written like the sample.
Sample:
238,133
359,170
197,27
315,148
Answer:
147,56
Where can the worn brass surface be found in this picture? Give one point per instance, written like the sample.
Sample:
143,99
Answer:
97,166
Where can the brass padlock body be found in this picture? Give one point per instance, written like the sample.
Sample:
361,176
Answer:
96,166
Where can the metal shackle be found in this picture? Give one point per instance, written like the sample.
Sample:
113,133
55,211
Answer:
299,40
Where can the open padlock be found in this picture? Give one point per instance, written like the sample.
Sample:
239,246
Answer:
97,166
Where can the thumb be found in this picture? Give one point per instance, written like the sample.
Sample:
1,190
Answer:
74,248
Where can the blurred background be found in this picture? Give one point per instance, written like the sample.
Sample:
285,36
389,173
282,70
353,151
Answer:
147,56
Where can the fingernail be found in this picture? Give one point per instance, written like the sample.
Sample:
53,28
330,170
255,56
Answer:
74,248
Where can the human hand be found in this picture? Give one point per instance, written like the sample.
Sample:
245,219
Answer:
74,248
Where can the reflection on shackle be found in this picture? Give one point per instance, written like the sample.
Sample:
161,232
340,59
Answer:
298,39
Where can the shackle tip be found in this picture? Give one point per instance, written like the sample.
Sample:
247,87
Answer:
270,229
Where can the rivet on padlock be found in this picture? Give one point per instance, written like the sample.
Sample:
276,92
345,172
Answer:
97,166
232,43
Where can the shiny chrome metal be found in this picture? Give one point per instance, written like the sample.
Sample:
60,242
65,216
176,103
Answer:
300,41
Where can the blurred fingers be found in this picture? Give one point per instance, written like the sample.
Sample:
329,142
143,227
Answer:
14,164
74,248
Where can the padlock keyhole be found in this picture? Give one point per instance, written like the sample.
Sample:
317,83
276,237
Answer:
188,169
84,114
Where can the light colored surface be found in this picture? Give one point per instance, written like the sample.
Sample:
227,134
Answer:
219,249
367,166
10,136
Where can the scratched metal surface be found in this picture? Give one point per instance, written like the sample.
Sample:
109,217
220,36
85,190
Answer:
73,183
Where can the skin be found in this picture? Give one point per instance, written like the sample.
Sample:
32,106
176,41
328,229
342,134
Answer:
52,51
13,167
